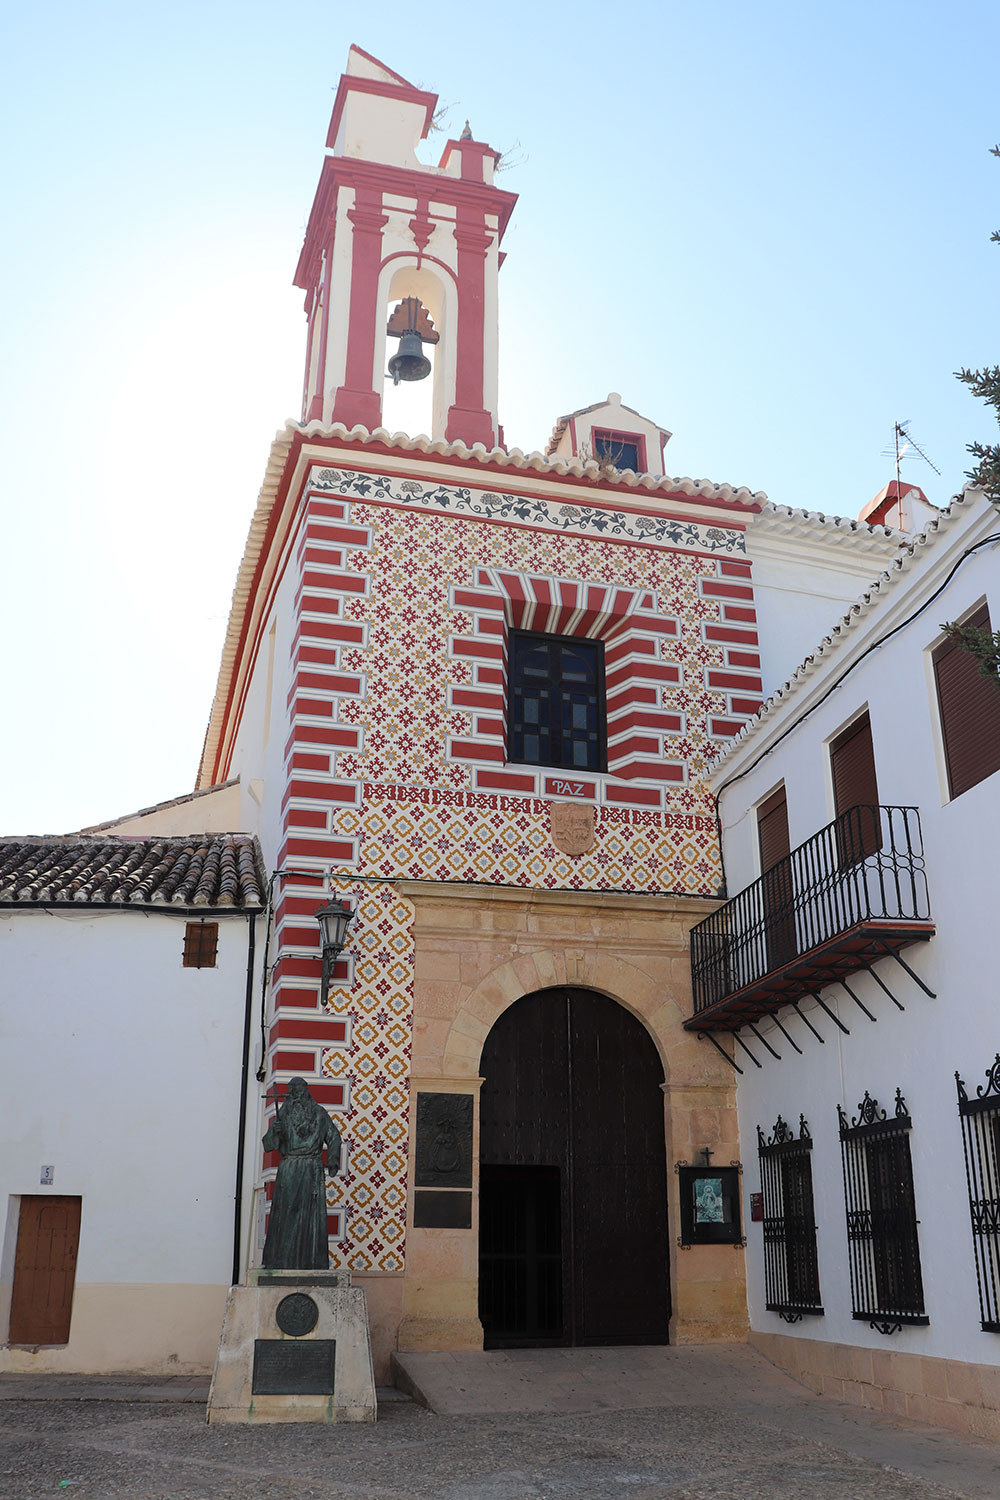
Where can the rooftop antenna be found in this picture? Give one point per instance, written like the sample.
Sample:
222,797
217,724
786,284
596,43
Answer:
902,443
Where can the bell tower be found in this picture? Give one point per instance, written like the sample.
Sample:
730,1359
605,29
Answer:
387,230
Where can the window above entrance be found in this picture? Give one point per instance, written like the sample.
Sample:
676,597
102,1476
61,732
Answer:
556,701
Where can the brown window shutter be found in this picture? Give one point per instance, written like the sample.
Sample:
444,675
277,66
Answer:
772,830
777,888
852,760
969,705
201,943
852,763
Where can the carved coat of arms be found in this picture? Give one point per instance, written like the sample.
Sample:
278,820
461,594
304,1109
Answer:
572,825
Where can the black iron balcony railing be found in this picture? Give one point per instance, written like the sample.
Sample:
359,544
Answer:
853,891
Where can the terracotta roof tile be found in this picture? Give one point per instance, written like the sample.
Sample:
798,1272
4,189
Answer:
214,870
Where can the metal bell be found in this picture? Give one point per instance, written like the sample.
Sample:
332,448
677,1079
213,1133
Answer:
409,362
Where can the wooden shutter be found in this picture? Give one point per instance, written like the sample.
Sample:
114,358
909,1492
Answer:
48,1235
201,942
969,705
777,887
852,762
772,830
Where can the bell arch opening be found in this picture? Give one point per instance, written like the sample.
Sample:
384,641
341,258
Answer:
420,405
573,1245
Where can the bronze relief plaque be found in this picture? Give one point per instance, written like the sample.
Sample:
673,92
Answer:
572,825
444,1141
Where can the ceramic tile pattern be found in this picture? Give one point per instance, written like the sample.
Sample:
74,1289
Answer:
397,767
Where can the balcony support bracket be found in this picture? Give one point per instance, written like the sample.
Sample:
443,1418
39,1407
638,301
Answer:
788,1039
812,1028
835,1019
902,962
706,1036
879,981
764,1042
737,1038
845,986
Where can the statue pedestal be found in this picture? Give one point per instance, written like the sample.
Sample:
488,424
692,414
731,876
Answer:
295,1347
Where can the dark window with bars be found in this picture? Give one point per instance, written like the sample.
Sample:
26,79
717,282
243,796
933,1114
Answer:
556,700
791,1267
981,1139
969,706
886,1286
201,944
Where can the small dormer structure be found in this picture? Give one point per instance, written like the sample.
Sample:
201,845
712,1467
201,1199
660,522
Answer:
385,228
610,433
900,506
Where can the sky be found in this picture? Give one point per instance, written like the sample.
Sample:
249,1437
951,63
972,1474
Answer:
767,226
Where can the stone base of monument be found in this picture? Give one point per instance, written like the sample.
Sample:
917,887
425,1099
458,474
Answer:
295,1347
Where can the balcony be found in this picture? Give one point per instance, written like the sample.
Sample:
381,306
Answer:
853,893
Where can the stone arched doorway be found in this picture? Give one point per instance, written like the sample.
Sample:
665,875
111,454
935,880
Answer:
573,1178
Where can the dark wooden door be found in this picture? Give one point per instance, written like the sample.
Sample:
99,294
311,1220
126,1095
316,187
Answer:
573,1176
48,1234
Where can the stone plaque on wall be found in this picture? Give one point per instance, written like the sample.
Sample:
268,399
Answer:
437,1210
572,825
444,1140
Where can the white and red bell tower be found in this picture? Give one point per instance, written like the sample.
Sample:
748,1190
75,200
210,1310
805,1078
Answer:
385,227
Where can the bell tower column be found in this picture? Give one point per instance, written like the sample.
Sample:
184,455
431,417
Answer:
356,400
468,420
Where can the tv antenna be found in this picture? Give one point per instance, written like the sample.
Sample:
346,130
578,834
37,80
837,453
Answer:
903,443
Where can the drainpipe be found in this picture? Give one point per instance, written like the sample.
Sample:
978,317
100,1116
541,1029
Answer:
244,1084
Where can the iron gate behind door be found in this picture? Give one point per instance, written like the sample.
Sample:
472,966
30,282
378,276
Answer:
573,1224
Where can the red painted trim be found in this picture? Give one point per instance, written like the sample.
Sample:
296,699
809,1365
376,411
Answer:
403,91
420,260
506,781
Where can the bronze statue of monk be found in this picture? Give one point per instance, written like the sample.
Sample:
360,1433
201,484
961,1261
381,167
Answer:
296,1232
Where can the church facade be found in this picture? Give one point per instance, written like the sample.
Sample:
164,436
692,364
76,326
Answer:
472,692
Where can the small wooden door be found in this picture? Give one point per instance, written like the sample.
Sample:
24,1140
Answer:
48,1235
573,1176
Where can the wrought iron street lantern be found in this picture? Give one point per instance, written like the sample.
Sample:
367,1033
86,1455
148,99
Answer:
334,919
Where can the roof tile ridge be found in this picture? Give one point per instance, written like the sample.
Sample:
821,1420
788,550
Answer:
535,459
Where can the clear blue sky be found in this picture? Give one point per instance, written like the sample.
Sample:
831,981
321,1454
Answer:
767,226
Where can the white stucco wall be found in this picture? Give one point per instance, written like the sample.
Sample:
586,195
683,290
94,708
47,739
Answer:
122,1070
259,749
920,1049
807,571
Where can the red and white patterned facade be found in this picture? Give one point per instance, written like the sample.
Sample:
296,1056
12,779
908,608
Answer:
400,575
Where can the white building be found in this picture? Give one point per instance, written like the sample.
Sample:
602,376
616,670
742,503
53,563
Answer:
131,983
855,959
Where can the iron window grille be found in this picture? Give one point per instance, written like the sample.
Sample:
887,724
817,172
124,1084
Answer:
886,1286
557,710
791,1267
981,1141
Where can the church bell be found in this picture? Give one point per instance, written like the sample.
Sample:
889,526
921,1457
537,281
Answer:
409,362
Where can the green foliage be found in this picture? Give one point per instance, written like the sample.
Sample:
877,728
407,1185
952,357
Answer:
984,645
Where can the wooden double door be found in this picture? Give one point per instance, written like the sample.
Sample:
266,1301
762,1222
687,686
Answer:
573,1176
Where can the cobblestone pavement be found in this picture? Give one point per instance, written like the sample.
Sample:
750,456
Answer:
723,1429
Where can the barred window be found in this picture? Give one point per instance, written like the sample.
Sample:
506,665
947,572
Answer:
791,1268
557,715
886,1286
981,1139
